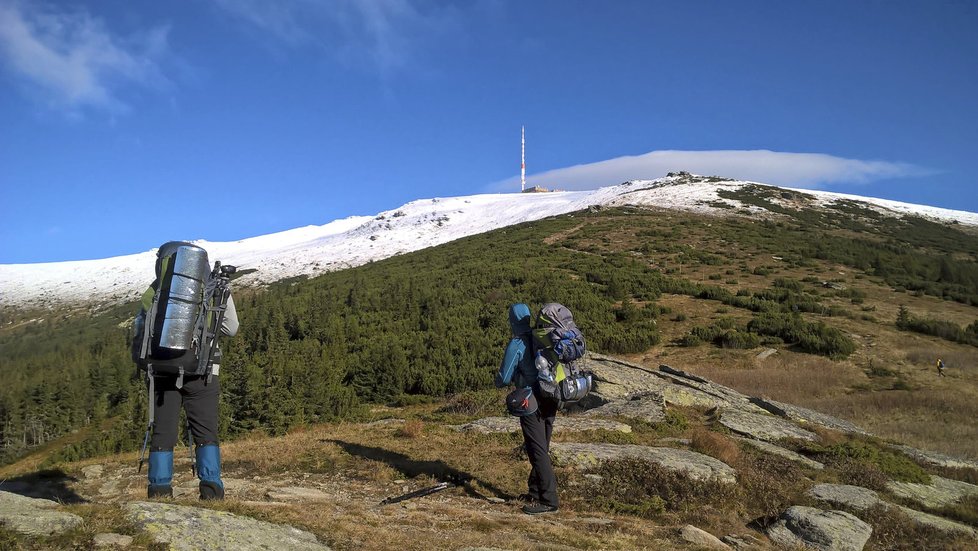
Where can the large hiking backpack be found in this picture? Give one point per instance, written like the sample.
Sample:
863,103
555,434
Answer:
559,349
183,313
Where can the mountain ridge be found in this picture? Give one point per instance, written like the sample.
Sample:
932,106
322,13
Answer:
356,240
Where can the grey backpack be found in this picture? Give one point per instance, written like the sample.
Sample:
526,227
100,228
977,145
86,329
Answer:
559,349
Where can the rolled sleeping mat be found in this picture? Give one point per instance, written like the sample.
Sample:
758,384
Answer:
183,300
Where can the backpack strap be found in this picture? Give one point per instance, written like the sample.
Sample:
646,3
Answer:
149,321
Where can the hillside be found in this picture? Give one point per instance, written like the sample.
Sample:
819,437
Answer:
314,250
825,286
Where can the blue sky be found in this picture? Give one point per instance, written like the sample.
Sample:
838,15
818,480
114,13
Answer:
126,124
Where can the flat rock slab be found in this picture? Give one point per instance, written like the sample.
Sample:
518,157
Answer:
763,427
940,523
858,498
695,465
818,529
297,493
112,540
564,424
807,416
774,449
647,407
617,379
190,528
33,516
934,458
855,497
687,385
940,492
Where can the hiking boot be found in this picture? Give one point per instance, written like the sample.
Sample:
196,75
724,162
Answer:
158,491
538,508
211,490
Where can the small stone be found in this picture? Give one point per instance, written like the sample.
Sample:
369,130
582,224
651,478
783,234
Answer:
741,541
701,538
93,471
496,500
111,540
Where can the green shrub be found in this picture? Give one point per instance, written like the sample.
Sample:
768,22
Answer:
893,464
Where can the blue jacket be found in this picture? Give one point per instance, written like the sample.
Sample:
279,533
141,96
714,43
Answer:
517,366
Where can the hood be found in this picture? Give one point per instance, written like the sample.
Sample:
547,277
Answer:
519,319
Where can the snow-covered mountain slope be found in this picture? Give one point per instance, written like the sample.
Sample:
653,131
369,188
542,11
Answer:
419,224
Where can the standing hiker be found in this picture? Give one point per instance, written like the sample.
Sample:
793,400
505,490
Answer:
183,314
536,412
940,367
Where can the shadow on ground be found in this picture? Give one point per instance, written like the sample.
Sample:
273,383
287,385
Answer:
51,484
413,467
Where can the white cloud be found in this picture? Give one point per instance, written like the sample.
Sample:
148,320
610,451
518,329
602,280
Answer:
803,170
382,35
73,59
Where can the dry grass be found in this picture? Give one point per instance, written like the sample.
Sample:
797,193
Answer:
799,379
412,428
715,445
936,419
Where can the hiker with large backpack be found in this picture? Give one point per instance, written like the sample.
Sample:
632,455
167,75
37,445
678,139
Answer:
183,314
531,362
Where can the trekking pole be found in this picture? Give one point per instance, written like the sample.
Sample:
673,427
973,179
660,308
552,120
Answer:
418,493
152,420
190,448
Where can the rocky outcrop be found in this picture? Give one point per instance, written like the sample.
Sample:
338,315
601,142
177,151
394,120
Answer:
763,427
617,380
695,465
773,449
860,499
192,528
936,459
650,408
806,416
33,516
845,495
818,529
939,493
563,424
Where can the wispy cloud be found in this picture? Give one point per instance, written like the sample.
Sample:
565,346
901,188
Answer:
804,170
383,36
73,59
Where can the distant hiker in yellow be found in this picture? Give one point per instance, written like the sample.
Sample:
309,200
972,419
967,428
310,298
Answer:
940,367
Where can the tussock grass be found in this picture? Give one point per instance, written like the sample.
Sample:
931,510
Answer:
893,530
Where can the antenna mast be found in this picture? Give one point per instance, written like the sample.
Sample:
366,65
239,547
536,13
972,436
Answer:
522,158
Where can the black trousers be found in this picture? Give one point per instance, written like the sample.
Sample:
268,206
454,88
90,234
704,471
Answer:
198,397
537,429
